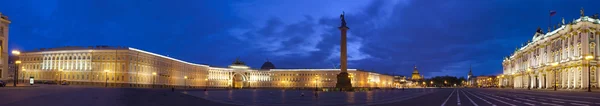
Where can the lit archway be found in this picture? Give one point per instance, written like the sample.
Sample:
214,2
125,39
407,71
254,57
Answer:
239,80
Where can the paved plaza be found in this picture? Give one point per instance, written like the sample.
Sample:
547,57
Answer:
504,97
408,97
55,95
270,97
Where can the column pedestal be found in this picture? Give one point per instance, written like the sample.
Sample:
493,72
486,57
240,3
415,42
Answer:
343,81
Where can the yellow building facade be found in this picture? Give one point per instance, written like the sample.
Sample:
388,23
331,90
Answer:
566,58
130,67
4,22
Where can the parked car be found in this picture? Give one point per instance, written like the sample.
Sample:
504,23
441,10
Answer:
50,82
64,82
2,83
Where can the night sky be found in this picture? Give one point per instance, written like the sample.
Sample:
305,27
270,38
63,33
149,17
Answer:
442,37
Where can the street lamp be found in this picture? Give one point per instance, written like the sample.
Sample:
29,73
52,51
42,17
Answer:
106,78
16,77
60,76
317,84
16,52
153,79
205,84
184,81
23,76
555,76
445,82
589,57
431,83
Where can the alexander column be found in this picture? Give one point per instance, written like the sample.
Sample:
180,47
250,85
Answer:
343,81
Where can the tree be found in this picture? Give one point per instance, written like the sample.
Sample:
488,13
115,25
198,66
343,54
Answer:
445,81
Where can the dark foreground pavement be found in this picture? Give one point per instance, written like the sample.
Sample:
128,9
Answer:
98,96
502,97
89,96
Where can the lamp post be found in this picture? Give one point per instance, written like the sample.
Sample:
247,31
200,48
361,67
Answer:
445,82
153,78
184,81
431,83
529,79
316,84
589,57
16,77
205,84
60,76
23,76
106,78
555,76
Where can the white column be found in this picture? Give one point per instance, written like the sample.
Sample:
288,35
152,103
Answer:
573,75
580,77
584,76
597,78
543,80
576,78
569,74
563,78
549,79
517,83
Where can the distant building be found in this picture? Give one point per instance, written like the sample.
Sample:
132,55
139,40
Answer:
486,81
416,75
470,81
400,81
3,46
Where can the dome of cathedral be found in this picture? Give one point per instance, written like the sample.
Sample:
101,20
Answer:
415,71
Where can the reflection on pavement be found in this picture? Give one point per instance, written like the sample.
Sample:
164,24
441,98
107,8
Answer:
305,97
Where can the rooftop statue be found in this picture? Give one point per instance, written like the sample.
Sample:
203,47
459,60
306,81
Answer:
343,19
581,11
539,30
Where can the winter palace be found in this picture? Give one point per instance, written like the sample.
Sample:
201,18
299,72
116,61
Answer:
565,57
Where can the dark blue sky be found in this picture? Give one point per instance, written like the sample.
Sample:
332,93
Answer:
442,37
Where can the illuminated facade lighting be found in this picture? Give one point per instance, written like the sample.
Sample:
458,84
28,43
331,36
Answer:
141,68
566,59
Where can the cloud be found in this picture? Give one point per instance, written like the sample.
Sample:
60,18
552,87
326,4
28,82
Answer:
386,36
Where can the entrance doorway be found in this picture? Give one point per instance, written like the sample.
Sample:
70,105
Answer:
238,81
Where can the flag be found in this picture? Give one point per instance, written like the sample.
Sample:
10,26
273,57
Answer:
552,13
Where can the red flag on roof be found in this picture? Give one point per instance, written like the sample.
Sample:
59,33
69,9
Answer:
552,13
